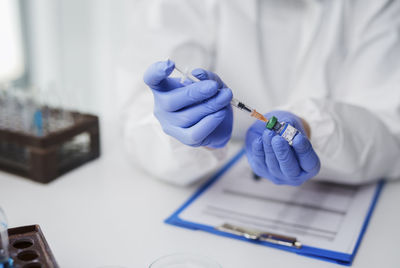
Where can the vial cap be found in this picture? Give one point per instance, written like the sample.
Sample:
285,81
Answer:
272,122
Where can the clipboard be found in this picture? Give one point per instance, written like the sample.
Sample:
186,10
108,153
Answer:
274,240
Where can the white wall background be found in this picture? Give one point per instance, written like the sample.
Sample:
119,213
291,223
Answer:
11,49
75,49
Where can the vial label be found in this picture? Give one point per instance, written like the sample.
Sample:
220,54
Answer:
289,133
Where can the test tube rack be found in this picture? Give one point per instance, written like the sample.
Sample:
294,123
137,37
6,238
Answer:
45,157
29,248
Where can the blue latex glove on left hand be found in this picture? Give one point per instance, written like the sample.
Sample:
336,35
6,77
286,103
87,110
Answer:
197,114
270,156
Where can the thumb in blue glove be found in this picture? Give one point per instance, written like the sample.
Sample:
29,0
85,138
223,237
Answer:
270,156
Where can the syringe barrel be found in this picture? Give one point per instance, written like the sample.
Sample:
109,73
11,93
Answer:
240,105
186,75
235,102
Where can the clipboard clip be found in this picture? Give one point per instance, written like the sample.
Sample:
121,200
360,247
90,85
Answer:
260,236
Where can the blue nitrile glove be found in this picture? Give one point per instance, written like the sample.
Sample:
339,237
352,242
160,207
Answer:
270,156
197,114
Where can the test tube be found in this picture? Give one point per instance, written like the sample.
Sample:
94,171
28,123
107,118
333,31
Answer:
4,253
38,122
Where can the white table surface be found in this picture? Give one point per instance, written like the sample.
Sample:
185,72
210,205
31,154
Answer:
108,212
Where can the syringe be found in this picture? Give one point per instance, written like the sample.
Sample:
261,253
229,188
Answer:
234,102
286,130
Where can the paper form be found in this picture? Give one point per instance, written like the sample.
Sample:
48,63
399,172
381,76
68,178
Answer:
321,215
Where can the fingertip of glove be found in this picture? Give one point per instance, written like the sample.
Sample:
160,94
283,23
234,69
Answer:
208,87
279,144
301,143
200,73
228,92
167,67
278,140
269,133
158,71
267,137
224,97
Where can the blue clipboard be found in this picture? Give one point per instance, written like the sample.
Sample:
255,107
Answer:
313,252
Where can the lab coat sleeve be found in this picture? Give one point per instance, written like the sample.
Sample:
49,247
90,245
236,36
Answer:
182,31
356,131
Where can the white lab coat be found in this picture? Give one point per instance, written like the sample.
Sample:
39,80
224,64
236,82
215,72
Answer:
334,63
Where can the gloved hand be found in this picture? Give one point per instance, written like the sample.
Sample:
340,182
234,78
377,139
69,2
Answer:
197,114
270,156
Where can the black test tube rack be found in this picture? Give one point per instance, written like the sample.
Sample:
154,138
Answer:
45,157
